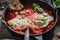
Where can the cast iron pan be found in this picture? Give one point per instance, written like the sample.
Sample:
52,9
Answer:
44,4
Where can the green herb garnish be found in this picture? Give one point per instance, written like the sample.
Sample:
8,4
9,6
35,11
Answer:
44,19
37,7
11,24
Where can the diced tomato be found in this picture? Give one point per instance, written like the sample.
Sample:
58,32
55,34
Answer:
14,28
44,29
20,32
49,26
17,30
33,31
23,15
16,13
11,15
52,23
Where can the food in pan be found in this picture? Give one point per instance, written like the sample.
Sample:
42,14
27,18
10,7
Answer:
33,17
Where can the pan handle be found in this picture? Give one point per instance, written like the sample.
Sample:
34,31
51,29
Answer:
40,37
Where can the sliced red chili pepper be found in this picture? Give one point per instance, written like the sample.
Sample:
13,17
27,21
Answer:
28,12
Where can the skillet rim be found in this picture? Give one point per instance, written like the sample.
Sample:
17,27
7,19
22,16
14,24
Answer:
56,13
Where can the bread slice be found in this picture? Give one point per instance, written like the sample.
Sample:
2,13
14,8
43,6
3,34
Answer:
15,5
